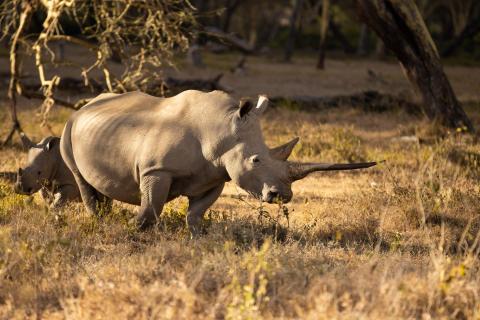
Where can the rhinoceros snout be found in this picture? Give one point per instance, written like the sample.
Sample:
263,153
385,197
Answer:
274,196
271,196
18,188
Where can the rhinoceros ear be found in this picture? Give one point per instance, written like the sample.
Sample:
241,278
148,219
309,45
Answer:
262,104
247,106
50,142
283,152
27,143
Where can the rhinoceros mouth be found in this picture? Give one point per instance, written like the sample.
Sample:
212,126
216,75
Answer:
20,190
277,199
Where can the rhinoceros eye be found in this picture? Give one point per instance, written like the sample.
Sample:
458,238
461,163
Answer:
39,172
255,159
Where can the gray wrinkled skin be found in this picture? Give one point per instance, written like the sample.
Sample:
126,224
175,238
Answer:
145,151
46,172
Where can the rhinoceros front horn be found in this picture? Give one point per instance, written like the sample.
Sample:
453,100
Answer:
297,171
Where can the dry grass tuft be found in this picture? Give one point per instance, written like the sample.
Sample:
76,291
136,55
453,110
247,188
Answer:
398,241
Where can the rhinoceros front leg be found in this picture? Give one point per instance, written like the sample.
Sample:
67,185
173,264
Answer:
197,207
88,194
154,188
46,196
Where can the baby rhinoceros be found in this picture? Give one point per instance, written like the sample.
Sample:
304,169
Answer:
46,172
145,151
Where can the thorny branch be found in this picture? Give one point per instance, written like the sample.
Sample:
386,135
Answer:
14,86
140,35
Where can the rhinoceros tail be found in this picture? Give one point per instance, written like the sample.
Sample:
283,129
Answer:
66,149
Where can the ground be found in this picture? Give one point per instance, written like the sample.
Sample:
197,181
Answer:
400,240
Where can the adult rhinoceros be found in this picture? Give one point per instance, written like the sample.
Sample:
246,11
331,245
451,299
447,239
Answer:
145,151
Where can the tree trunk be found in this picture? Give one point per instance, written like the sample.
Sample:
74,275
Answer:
194,55
362,48
290,46
230,9
323,33
470,31
338,35
380,50
399,24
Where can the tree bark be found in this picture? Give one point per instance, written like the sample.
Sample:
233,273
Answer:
290,46
323,33
401,27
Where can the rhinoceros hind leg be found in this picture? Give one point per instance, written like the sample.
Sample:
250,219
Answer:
197,207
88,194
154,188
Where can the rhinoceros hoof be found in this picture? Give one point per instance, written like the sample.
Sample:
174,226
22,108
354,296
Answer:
142,224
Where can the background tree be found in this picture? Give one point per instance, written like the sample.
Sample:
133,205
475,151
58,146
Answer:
324,22
290,45
418,55
140,34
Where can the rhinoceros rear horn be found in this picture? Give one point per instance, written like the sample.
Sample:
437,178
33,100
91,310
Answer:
283,152
27,143
297,171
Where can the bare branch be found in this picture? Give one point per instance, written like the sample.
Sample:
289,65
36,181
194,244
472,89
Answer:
14,77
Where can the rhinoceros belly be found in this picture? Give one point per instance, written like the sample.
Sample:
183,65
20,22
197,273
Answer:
114,181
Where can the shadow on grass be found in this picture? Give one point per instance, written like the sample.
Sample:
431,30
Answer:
437,219
361,238
466,159
246,234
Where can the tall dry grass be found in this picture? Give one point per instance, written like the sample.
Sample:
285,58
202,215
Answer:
399,241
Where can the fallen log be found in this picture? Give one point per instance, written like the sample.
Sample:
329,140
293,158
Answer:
176,85
63,103
70,84
239,68
169,86
231,39
371,101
